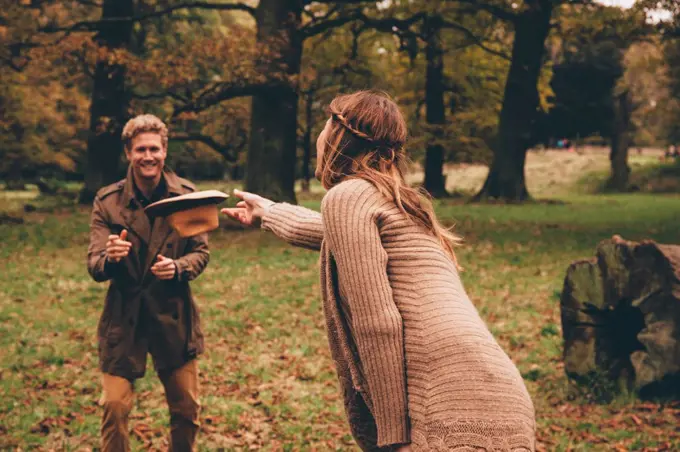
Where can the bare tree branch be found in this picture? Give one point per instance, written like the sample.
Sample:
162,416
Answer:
224,91
224,150
94,25
90,3
340,2
401,27
323,24
331,10
392,24
475,39
156,96
495,10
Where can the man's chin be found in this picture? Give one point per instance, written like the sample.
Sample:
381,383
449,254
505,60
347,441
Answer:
147,175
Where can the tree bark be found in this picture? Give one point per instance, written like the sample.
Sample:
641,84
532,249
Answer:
435,181
307,140
622,137
273,134
506,179
110,102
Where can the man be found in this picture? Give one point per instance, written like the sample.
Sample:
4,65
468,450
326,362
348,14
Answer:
149,306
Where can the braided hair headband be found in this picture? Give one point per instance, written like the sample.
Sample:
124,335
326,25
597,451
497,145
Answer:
381,144
343,122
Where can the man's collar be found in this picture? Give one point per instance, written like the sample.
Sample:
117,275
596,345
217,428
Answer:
173,182
174,186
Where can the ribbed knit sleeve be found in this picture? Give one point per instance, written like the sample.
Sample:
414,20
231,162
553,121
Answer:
296,225
350,213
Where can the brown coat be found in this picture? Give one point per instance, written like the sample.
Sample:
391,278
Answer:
142,313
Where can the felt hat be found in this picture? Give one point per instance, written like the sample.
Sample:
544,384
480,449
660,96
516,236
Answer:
190,214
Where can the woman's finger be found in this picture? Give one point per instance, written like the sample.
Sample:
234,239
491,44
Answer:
238,215
232,212
246,196
238,193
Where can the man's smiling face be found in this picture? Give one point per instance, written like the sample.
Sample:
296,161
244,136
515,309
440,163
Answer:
147,156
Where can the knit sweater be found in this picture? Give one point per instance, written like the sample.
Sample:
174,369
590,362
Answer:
415,361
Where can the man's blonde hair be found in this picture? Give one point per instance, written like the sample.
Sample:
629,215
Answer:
141,124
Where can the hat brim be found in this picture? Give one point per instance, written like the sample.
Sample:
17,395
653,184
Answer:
194,221
189,201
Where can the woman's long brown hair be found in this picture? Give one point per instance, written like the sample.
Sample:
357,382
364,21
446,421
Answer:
366,141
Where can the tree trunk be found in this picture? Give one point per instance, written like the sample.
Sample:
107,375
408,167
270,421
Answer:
620,313
273,134
435,182
110,101
307,141
621,140
506,180
14,178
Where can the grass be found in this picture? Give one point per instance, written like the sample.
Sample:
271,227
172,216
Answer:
267,378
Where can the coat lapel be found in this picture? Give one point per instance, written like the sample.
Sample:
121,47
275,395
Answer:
133,213
159,235
161,226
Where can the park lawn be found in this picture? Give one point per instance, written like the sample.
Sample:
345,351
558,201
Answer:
267,378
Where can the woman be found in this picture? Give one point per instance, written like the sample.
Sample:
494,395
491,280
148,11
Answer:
418,367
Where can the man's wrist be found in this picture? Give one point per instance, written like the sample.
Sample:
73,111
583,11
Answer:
175,277
110,266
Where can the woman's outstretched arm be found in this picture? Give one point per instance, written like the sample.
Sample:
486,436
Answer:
296,225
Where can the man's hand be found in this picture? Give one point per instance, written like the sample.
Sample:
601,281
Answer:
164,268
249,210
117,248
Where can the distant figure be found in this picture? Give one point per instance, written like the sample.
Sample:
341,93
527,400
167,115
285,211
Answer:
566,144
671,152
